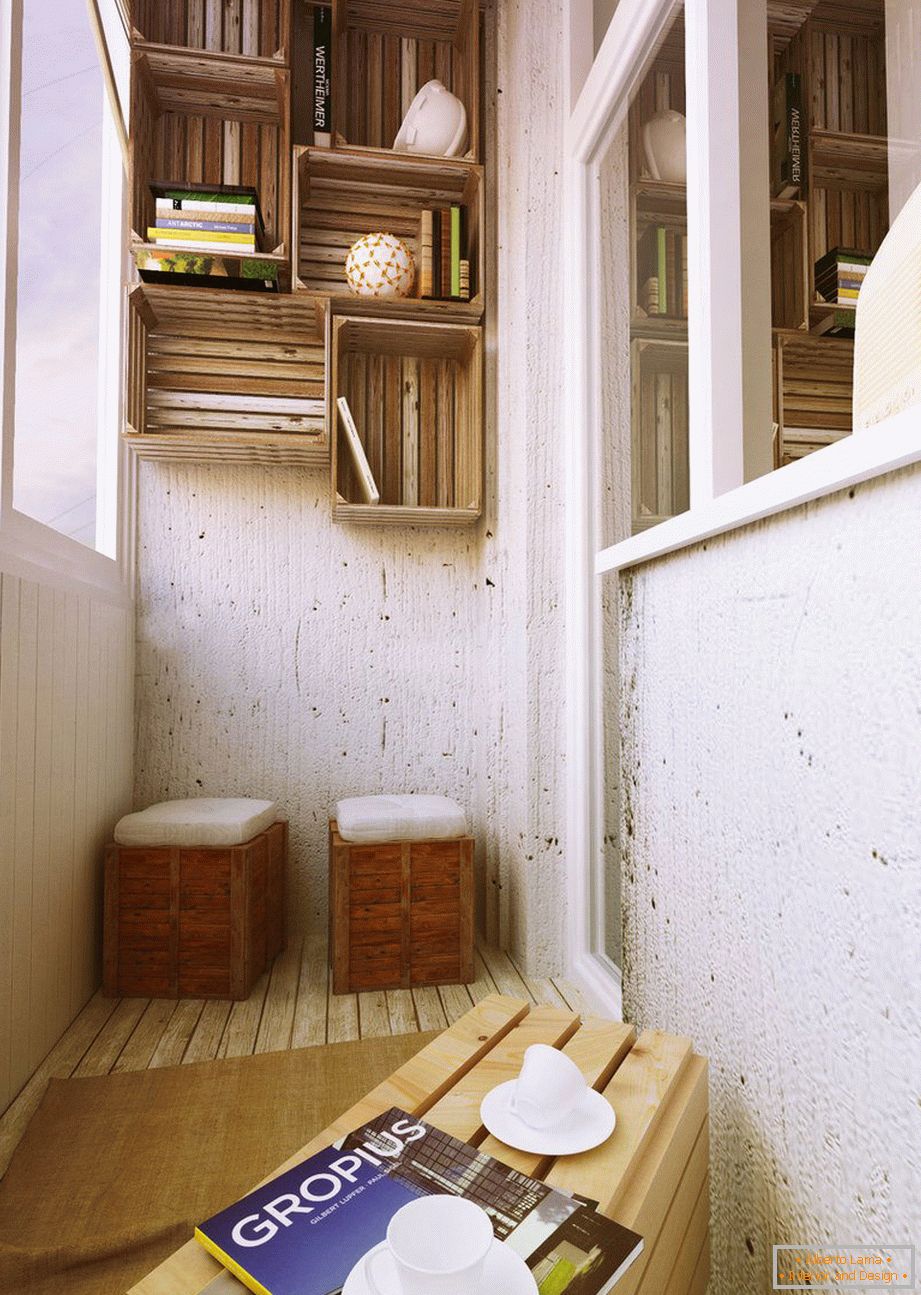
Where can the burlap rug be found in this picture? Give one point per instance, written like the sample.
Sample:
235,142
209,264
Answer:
114,1172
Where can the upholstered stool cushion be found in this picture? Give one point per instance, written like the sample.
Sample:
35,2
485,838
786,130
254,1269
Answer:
201,821
369,819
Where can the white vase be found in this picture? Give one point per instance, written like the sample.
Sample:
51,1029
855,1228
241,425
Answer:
665,146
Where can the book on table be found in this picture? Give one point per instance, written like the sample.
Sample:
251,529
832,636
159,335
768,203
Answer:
304,1231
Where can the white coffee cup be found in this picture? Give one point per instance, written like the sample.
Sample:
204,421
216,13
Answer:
438,1246
549,1087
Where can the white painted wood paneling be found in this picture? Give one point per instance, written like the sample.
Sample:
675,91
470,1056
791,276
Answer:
66,766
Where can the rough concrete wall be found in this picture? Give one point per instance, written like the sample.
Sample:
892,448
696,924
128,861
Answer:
772,692
283,656
279,654
524,763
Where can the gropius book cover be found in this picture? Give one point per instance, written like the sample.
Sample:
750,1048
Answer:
303,1232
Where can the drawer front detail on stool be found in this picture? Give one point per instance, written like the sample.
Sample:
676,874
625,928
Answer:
193,922
401,913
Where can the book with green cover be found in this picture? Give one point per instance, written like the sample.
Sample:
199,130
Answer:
455,251
662,269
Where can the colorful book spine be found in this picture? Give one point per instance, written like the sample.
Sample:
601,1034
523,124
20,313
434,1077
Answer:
455,251
322,41
155,233
204,208
444,218
435,254
662,269
207,226
425,249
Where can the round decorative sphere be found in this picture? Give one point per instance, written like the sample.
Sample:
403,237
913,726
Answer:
380,265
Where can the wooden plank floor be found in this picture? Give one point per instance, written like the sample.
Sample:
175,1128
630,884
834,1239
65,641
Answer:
290,1007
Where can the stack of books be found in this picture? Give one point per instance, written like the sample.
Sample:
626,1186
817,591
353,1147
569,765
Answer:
840,273
663,272
206,234
305,1231
201,218
444,262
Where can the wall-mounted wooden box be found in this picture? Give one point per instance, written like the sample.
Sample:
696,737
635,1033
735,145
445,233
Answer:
259,28
340,196
193,923
203,117
416,394
400,913
226,375
385,52
659,426
812,382
790,278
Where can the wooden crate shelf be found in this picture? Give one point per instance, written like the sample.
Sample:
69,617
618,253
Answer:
227,376
812,382
659,427
848,161
240,137
259,28
416,394
339,196
220,92
790,278
386,52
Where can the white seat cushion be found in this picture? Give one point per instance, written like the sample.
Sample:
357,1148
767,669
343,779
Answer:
364,820
201,821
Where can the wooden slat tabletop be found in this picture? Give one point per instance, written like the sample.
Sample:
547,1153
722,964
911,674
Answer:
651,1175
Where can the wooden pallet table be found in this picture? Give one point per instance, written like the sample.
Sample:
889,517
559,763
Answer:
651,1175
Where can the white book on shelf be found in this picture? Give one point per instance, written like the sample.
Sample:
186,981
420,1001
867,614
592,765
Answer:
359,458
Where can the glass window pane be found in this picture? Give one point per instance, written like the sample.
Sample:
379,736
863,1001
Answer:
845,131
642,457
645,307
57,323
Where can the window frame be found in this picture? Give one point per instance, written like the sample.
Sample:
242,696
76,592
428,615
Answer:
27,545
731,485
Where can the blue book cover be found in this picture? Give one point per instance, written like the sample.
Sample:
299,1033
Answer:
304,1232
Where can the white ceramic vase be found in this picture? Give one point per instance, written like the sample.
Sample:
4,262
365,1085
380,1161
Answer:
665,146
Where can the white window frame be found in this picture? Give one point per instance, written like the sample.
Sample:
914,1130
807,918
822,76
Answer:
28,547
731,481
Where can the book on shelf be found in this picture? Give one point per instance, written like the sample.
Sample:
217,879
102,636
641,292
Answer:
359,458
229,244
836,323
303,1232
444,217
662,268
322,60
444,263
203,269
425,254
455,251
206,226
840,273
662,272
234,203
788,153
214,236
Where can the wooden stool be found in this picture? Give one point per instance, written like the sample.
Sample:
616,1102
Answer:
400,912
193,921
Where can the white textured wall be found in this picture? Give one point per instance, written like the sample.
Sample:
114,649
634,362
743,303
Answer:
281,655
772,723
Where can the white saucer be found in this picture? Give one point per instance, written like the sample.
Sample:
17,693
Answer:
588,1126
506,1273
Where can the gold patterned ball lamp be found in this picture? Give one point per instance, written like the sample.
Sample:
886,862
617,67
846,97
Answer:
380,265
